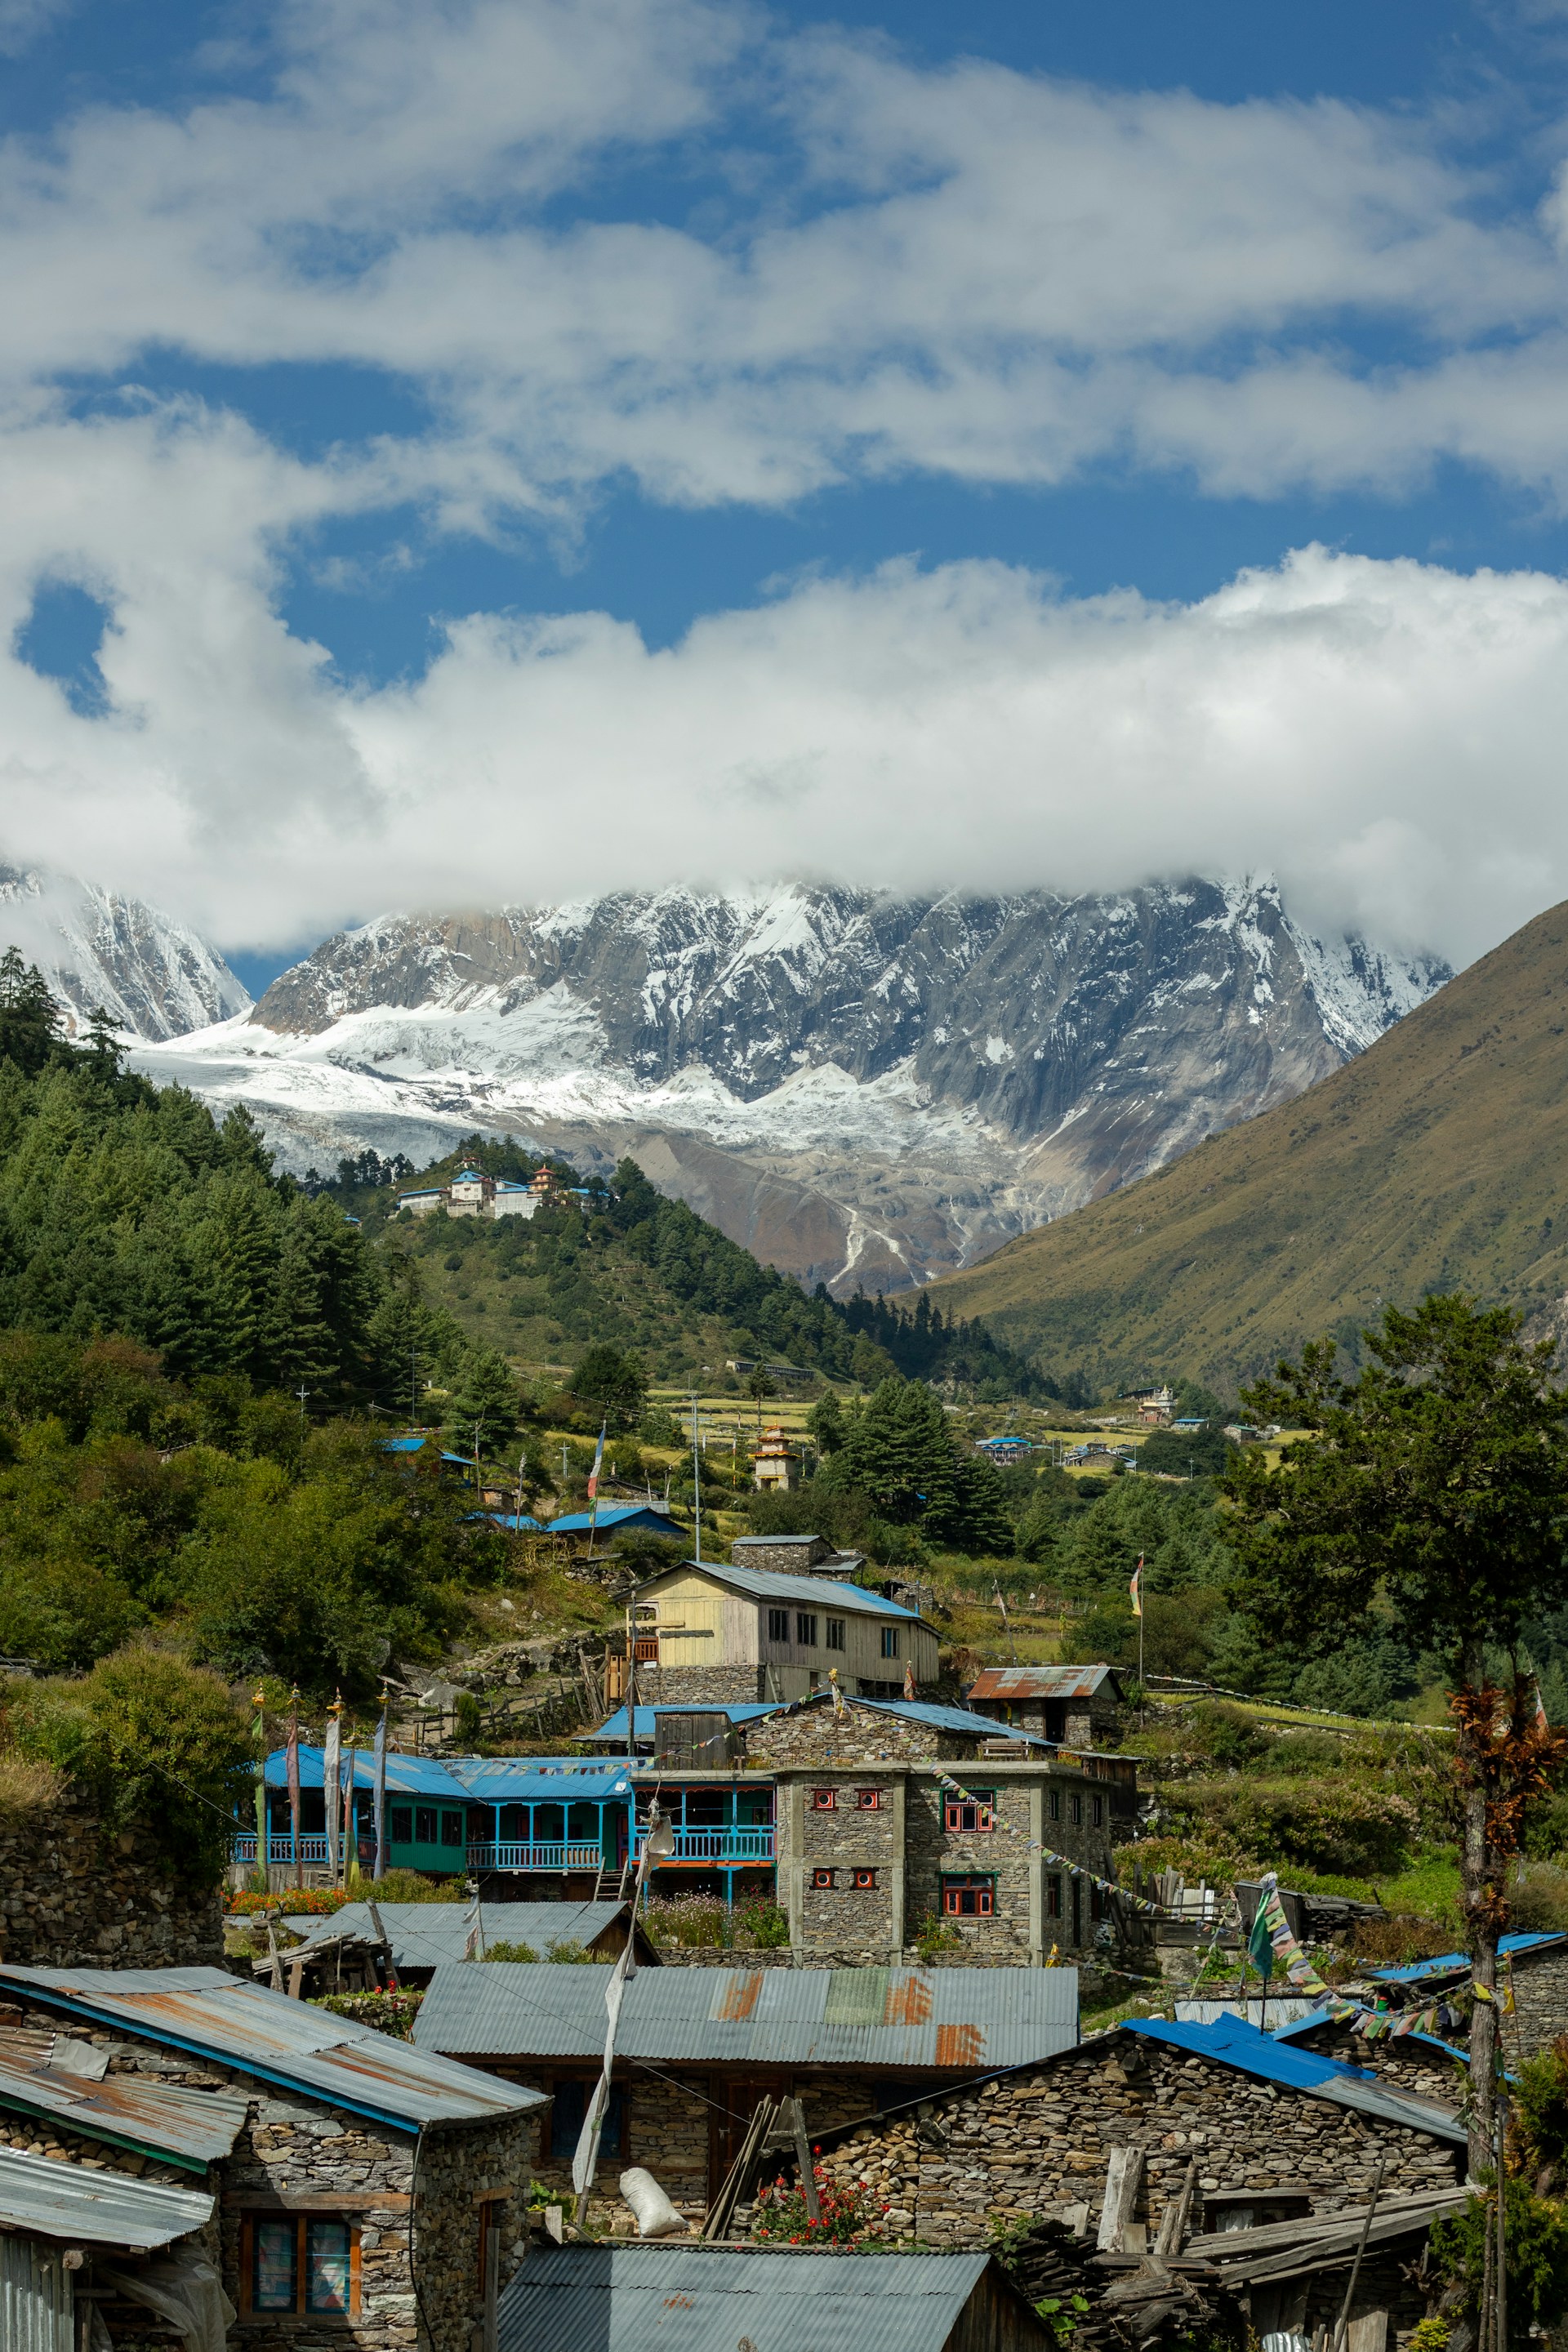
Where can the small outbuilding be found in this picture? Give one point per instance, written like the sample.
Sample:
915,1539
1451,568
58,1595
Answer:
797,2299
420,1937
1075,1705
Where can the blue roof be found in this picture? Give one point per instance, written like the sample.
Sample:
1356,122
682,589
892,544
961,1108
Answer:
487,1780
766,1584
1230,2042
1449,1964
738,1711
400,1445
1309,2024
618,1515
468,1176
518,1522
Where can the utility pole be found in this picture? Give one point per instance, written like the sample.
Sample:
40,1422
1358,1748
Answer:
303,1392
696,1481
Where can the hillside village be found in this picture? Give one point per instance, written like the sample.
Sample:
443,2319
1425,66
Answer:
541,1762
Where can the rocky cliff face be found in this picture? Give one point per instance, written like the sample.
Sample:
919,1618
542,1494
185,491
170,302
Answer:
152,977
861,1087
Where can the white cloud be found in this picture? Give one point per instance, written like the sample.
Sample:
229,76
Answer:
1385,736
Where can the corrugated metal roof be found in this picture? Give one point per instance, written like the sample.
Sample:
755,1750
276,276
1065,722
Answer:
43,2197
282,2040
617,1514
1040,1682
194,2128
810,1591
707,2298
1450,1964
424,1935
968,2020
1300,2028
1278,2014
1230,2042
494,1779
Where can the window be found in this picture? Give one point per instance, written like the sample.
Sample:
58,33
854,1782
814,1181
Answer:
1054,1895
451,1828
968,1898
823,1801
566,2120
1097,1811
822,1878
778,1625
868,1800
1075,1810
400,1826
301,2263
890,1641
865,1880
805,1629
966,1819
835,1632
1055,1804
423,1825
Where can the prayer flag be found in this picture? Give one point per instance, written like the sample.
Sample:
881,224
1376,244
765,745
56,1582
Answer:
1261,1943
598,1464
331,1796
378,1792
910,1679
1136,1588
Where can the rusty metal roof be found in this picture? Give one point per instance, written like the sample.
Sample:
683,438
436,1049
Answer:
43,2197
705,2298
1041,1682
189,2127
263,2033
962,2021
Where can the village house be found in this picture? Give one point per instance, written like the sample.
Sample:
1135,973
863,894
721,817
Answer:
472,1193
697,2048
91,2239
420,1936
796,1556
1135,2115
1079,1705
703,1631
361,2188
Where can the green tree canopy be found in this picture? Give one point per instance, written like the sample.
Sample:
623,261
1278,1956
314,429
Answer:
613,1383
898,1452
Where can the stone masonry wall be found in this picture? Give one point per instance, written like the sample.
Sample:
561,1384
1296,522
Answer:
690,1685
1405,2062
1038,2140
819,1735
1541,2005
296,2153
73,1894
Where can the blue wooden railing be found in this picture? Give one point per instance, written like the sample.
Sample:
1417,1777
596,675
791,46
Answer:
723,1845
503,1856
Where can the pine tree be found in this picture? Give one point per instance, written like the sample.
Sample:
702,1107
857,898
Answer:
484,1411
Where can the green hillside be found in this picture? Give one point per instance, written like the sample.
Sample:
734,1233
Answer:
1438,1159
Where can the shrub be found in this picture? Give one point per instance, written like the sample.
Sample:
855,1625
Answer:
1540,2123
1398,1940
1537,1896
304,1902
389,2012
1536,2234
933,1936
571,1952
1344,1828
1307,1751
512,1951
412,1886
759,1920
701,1922
848,2216
1226,1733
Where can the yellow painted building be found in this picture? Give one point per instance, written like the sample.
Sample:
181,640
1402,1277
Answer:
707,1632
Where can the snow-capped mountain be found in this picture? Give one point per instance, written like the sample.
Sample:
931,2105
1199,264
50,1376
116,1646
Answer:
859,1087
151,976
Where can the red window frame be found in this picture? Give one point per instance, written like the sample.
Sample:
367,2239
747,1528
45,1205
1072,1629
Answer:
966,1819
868,1800
865,1880
980,1894
822,1879
824,1801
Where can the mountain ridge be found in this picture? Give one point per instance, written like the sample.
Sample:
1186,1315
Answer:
153,976
1430,1161
865,1088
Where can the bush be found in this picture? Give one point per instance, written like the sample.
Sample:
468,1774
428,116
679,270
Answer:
412,1886
1536,2234
1307,1752
389,2012
1538,1897
509,1951
848,2216
571,1953
1540,2121
1398,1940
1342,1829
302,1902
1226,1732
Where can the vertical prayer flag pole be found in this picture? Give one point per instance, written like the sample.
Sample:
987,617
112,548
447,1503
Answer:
1260,1950
331,1795
594,1488
291,1767
378,1789
1136,1590
262,1854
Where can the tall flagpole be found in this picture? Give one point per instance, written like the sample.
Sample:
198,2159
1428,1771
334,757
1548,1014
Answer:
292,1770
593,1490
263,1849
378,1790
696,1482
331,1795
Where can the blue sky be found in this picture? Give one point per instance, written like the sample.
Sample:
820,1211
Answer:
512,447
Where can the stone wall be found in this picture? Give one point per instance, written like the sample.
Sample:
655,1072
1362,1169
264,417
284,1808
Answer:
1039,2140
71,1893
861,1735
299,2154
691,1685
1405,2062
1541,2005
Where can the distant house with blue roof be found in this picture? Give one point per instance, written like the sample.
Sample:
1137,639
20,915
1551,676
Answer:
472,1193
710,1632
621,1519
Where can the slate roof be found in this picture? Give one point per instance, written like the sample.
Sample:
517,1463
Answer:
708,2298
249,2026
970,2020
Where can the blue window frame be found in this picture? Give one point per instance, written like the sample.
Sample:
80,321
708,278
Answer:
572,2096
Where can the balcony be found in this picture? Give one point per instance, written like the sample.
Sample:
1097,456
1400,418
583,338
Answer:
536,1857
282,1852
719,1845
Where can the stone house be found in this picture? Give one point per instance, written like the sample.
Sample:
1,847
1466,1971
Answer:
1246,2116
775,1465
1537,1964
1079,1705
796,1556
362,2189
704,1631
697,2048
